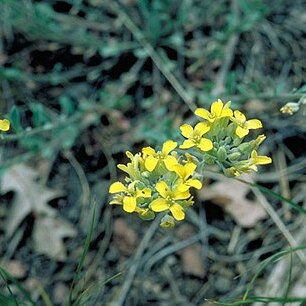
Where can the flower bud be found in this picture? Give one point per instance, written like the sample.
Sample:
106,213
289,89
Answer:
227,140
221,154
167,221
245,147
209,160
234,156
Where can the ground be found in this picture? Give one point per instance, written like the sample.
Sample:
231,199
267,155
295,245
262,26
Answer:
82,82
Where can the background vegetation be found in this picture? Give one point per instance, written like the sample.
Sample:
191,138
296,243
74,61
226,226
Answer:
83,81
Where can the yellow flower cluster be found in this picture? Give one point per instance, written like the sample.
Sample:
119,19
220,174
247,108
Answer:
219,139
156,182
4,125
160,181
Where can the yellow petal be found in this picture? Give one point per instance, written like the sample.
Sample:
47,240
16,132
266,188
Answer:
186,130
162,189
150,163
253,124
4,125
263,160
178,195
205,145
187,144
148,151
183,187
216,108
189,169
123,168
144,193
241,132
129,155
239,116
177,211
168,146
179,170
117,187
201,128
226,113
195,183
129,204
169,162
159,205
203,113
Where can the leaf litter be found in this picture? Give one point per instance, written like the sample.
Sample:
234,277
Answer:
32,197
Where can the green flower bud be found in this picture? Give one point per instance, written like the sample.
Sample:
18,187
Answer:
227,140
146,214
209,160
167,221
237,141
245,147
234,156
221,154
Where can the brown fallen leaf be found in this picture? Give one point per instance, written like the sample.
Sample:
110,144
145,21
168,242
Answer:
192,262
48,234
125,238
231,195
31,196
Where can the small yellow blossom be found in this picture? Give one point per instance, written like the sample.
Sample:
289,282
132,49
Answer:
4,125
131,194
195,136
169,200
290,108
154,157
259,160
184,172
245,125
246,166
133,169
217,110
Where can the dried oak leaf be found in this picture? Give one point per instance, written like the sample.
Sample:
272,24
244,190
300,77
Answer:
231,195
32,197
48,234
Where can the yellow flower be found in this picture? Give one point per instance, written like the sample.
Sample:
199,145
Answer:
290,108
217,110
195,137
184,172
131,194
246,166
154,157
245,125
169,200
4,125
134,167
259,160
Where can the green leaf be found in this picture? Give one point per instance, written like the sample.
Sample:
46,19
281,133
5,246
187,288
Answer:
15,119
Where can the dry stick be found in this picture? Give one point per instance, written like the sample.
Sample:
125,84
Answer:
283,180
127,21
281,226
136,262
85,198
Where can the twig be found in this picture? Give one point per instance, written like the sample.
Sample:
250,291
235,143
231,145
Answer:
281,226
136,262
